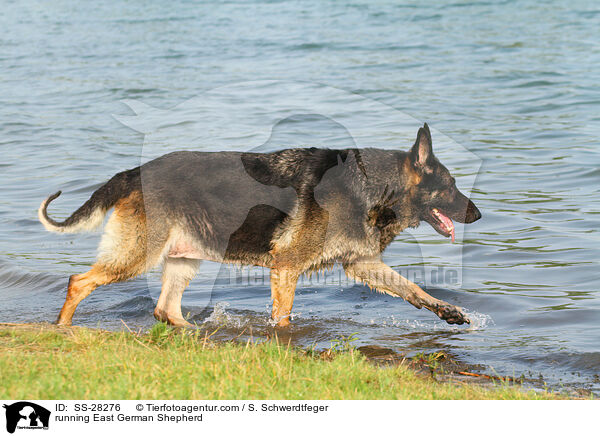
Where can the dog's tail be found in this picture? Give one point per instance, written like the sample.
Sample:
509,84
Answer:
91,214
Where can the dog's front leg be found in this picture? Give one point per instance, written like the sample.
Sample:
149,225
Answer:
378,275
283,288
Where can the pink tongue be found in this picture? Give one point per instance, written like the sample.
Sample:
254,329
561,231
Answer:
448,223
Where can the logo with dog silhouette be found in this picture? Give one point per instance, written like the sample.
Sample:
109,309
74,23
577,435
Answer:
26,415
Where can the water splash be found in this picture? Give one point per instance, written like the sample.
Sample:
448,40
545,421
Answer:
293,315
220,316
479,321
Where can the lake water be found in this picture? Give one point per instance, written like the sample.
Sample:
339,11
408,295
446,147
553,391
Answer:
510,89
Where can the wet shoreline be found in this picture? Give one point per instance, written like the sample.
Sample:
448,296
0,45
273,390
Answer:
440,366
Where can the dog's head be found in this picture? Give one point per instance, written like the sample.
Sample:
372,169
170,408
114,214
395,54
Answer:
436,198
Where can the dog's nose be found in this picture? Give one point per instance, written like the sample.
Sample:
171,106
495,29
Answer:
473,213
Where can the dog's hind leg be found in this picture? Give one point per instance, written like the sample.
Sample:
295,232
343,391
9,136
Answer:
380,276
283,288
177,273
125,252
82,285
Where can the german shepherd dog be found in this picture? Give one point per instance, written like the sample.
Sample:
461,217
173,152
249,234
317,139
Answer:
293,211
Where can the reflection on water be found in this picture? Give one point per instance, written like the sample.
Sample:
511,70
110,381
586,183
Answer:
518,87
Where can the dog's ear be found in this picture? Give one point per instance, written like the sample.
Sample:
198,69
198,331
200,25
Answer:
422,151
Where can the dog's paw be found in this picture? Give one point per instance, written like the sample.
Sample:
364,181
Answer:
451,314
283,323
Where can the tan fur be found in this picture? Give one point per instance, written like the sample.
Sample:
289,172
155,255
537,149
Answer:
312,240
377,275
299,247
316,238
124,254
303,240
124,245
414,178
82,285
283,287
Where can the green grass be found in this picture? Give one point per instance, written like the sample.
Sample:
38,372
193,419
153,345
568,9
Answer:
44,362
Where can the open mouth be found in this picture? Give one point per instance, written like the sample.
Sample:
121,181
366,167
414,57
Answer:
441,223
